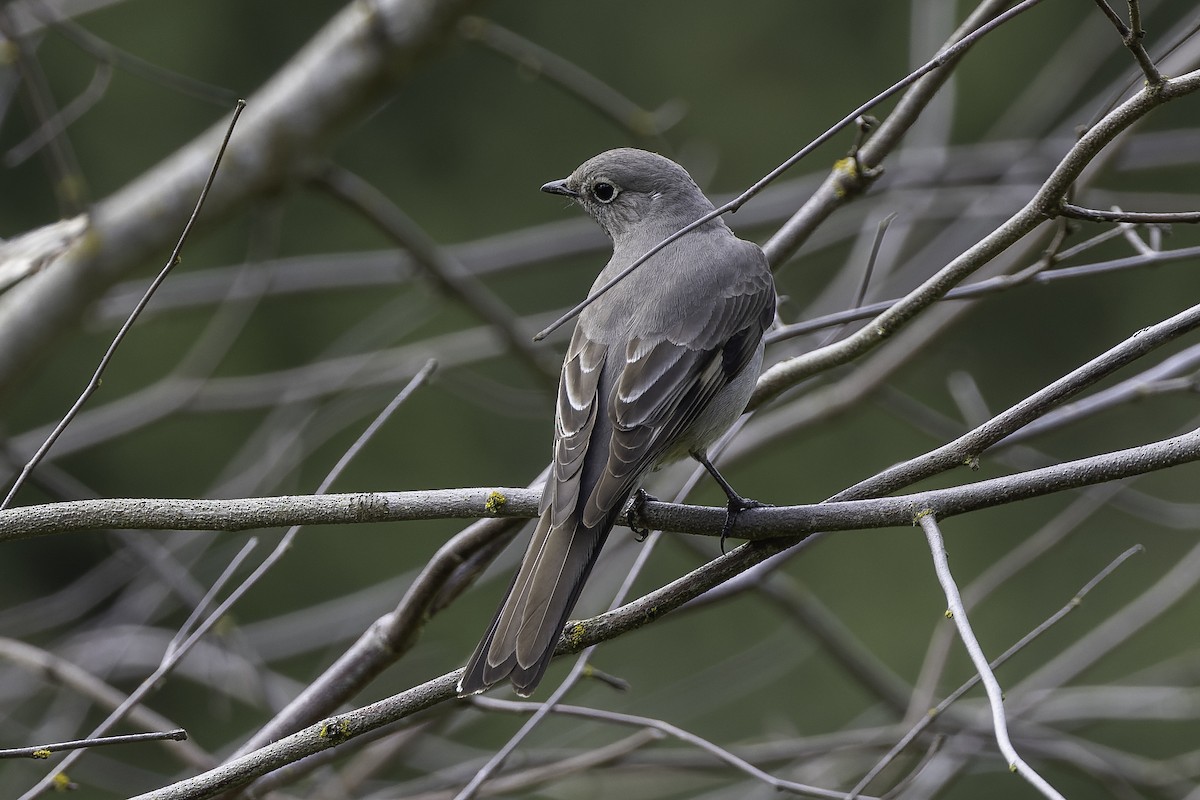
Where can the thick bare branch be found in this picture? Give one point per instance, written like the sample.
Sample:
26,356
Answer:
352,65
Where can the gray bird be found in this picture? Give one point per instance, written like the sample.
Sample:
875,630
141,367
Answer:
658,368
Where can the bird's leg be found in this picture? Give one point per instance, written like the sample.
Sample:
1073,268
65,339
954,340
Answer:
737,504
634,510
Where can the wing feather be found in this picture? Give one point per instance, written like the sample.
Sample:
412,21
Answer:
629,393
669,377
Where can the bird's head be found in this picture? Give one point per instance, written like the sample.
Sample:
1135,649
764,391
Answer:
626,188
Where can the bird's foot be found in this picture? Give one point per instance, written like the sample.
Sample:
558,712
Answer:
737,504
633,513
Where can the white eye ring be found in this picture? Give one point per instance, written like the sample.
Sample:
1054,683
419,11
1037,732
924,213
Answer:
604,191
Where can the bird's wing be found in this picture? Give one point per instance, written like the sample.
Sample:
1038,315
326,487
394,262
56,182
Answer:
545,565
619,411
670,375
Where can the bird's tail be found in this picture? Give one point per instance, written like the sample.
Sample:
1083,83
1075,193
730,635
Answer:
520,642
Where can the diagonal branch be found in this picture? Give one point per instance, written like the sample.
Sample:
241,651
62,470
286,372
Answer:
995,694
94,383
439,266
1041,207
355,63
846,178
666,729
771,521
573,79
1132,36
966,449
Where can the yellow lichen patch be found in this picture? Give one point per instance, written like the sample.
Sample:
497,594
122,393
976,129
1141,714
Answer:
335,730
576,633
495,502
846,169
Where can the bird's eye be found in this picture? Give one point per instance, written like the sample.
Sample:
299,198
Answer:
604,192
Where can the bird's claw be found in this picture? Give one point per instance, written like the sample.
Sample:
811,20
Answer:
634,511
736,506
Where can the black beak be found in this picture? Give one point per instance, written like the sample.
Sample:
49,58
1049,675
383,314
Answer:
559,187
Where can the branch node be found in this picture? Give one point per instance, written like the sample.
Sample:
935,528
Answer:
1131,36
335,730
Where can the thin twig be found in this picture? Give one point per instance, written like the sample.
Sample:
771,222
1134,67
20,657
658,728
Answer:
1175,584
524,782
173,655
1034,213
1129,231
45,750
392,635
441,267
579,668
670,730
948,54
928,719
577,81
1144,217
70,675
62,120
1038,275
541,711
1131,37
995,695
869,271
336,730
70,186
107,53
217,586
94,383
999,572
971,445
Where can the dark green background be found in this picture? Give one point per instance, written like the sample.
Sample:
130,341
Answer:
463,149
